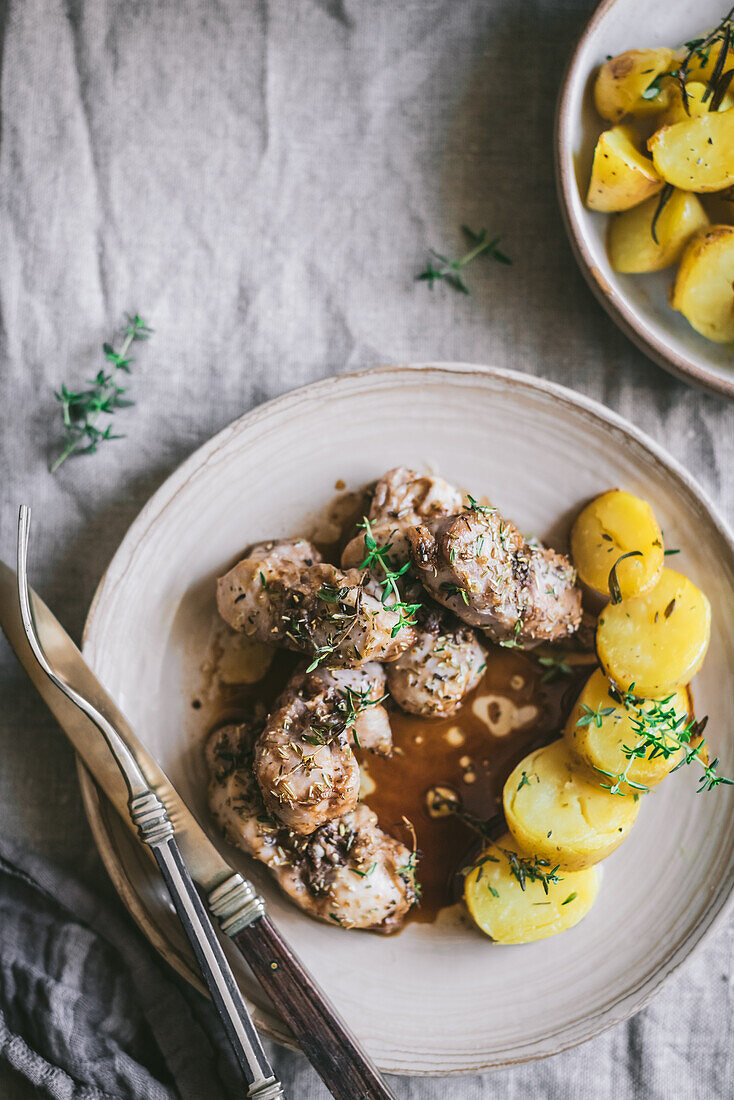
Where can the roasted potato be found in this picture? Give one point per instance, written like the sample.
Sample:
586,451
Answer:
622,80
697,154
599,727
614,524
510,913
631,246
621,175
701,66
655,642
703,290
557,810
675,111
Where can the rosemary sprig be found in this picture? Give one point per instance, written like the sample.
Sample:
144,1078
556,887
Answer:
449,271
614,590
700,48
391,595
82,409
661,732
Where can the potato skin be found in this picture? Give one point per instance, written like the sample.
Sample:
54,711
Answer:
557,810
611,525
508,914
702,290
599,744
655,642
631,247
697,154
622,80
621,176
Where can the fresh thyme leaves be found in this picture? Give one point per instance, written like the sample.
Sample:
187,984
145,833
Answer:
531,870
555,666
571,897
594,717
408,870
512,643
669,553
455,590
525,780
654,87
614,590
475,506
663,732
368,872
449,271
665,196
82,409
347,706
391,597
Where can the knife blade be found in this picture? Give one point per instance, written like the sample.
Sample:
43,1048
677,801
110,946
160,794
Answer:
332,1049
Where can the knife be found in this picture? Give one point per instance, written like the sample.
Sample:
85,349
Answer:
334,1052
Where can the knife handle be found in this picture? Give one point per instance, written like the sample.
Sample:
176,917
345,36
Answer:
332,1050
216,972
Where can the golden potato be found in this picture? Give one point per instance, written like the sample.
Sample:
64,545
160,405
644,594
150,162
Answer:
675,110
701,66
703,290
614,524
600,726
656,641
510,914
621,176
631,246
558,811
623,79
697,154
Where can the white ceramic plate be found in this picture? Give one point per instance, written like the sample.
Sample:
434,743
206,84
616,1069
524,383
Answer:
638,303
432,1000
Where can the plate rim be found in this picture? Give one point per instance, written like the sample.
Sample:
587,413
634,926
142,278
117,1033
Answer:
92,797
614,303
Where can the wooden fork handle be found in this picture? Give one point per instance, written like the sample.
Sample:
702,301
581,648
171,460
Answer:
331,1048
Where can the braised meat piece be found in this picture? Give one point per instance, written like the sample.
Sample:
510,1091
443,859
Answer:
303,759
479,566
349,872
283,594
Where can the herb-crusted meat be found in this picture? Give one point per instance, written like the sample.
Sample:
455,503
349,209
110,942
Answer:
479,566
446,662
303,761
285,595
349,872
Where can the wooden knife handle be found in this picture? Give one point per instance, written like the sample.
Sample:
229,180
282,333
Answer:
333,1051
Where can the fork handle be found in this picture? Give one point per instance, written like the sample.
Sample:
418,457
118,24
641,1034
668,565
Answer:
345,1069
216,972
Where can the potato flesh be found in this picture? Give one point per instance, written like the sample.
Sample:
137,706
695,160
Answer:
600,743
701,69
703,290
560,813
614,524
509,914
695,92
656,641
621,176
623,79
697,154
631,246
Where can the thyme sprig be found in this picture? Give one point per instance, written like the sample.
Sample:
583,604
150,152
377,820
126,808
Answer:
379,556
555,665
82,409
348,705
661,732
449,271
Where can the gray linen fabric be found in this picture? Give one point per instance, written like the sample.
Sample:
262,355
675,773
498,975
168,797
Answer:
261,179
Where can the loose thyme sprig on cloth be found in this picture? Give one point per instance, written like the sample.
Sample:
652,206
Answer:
81,410
449,271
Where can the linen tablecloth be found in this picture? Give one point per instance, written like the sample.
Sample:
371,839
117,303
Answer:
261,180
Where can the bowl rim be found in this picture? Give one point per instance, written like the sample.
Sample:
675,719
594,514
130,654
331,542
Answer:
614,303
93,799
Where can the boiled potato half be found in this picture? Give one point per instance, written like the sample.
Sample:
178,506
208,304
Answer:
621,176
703,290
623,79
599,727
631,246
614,524
675,110
558,811
510,914
697,154
655,642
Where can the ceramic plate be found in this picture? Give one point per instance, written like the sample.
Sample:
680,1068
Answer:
437,998
638,303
